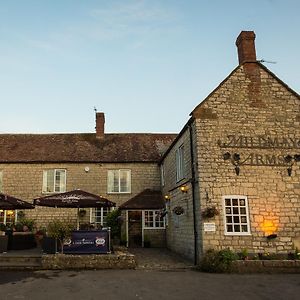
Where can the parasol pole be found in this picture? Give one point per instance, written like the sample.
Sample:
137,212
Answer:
77,218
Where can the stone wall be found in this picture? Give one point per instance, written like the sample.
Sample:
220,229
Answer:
118,260
25,181
251,103
180,228
157,237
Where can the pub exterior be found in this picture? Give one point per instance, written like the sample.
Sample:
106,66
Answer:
236,168
229,179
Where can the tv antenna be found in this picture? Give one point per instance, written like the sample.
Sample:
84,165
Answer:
95,109
267,61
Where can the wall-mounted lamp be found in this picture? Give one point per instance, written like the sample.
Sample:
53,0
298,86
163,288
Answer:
290,160
184,188
235,160
167,197
271,236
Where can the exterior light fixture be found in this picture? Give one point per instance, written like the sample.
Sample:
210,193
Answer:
184,188
271,236
235,160
167,197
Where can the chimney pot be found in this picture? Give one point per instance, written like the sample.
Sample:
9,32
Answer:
100,120
246,46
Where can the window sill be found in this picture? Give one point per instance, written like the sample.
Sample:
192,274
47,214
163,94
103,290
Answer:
237,234
119,193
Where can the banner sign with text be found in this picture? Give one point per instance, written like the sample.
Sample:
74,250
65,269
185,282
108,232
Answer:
88,242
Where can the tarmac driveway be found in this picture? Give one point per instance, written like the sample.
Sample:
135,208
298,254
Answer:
146,284
159,259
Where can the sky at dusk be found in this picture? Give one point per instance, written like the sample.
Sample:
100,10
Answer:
146,64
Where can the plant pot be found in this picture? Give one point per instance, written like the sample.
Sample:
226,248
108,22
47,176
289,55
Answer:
3,243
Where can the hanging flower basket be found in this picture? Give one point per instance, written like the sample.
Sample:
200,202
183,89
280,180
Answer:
209,212
178,210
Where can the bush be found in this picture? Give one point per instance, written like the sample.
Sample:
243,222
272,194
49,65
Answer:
113,220
217,261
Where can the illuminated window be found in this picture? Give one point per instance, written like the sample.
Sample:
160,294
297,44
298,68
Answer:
54,181
236,215
119,181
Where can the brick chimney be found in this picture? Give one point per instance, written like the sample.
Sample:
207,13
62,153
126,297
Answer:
100,120
246,46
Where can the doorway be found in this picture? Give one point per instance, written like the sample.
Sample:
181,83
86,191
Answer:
135,231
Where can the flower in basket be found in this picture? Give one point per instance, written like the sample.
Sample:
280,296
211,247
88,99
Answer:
178,210
209,212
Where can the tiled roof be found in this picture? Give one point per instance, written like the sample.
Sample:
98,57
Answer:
83,147
147,199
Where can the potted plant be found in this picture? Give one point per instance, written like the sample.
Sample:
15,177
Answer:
178,210
3,238
209,212
60,230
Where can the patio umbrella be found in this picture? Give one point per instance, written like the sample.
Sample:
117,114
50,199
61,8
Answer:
74,199
10,203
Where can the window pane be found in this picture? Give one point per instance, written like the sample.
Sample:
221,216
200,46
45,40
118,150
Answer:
235,202
236,228
228,210
244,228
229,219
235,210
227,202
243,219
60,176
236,219
112,181
49,181
229,228
243,210
124,181
242,202
179,163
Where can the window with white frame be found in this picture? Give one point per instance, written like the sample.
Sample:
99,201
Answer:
180,163
153,219
54,181
99,216
236,215
1,184
162,175
119,181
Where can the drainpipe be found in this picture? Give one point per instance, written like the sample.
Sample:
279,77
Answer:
193,181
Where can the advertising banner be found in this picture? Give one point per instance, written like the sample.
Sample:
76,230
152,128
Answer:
88,242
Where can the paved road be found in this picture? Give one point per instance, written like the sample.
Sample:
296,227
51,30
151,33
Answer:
141,284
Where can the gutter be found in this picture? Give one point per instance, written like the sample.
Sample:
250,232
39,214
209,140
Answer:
193,181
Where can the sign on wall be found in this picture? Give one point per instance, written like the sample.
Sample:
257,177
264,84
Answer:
209,227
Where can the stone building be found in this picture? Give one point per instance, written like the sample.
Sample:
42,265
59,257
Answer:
116,166
232,174
230,178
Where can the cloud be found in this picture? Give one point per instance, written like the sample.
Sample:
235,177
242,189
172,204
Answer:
130,18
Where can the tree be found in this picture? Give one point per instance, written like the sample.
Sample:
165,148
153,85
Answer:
60,230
